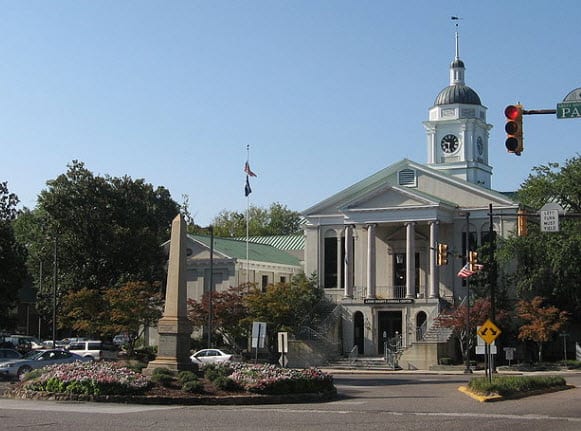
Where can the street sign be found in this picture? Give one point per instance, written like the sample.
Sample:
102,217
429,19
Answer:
550,217
571,105
569,110
550,221
489,332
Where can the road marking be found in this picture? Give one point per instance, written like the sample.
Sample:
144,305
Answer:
80,407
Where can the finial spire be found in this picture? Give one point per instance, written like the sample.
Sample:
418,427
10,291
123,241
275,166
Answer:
456,18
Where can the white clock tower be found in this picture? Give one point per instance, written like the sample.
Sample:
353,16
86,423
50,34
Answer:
457,132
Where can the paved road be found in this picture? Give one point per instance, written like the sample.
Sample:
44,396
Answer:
406,402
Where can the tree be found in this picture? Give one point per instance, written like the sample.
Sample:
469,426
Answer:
287,306
12,258
229,314
541,322
463,322
277,220
127,309
547,263
105,230
132,307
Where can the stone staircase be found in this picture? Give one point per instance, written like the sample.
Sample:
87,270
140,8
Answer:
424,353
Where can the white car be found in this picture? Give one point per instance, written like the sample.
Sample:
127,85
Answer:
94,350
212,356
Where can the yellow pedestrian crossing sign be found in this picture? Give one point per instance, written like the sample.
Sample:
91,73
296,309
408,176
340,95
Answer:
489,332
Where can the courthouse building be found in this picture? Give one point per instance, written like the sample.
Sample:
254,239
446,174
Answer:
374,244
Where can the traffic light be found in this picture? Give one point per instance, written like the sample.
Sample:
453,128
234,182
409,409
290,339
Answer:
442,254
521,223
473,260
513,128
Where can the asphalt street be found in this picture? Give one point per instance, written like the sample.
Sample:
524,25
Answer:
380,401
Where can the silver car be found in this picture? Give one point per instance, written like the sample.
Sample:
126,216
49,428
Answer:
37,359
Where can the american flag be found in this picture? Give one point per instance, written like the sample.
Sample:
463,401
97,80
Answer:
248,170
466,272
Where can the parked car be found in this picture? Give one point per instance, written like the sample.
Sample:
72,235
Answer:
22,343
213,356
9,354
121,339
37,359
94,350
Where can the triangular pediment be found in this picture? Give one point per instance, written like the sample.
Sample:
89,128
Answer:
385,190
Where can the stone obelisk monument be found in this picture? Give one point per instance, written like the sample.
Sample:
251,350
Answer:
174,328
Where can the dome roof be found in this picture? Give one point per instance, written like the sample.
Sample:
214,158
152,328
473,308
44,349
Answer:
458,93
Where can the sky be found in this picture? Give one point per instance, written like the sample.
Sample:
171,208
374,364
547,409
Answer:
317,94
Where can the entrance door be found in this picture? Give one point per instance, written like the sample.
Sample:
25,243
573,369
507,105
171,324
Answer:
358,332
389,322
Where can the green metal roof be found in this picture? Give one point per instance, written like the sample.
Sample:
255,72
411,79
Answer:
236,249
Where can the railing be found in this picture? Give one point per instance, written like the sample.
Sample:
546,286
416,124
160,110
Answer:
386,292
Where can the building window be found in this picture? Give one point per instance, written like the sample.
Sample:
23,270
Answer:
283,279
264,282
407,177
330,263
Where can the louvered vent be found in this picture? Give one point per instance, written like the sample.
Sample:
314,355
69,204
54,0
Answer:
407,177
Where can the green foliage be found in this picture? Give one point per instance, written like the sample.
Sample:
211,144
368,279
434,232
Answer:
226,384
509,385
161,371
216,371
193,386
96,225
548,262
162,379
187,376
12,257
276,220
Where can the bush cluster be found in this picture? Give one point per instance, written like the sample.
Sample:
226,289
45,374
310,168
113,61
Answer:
508,385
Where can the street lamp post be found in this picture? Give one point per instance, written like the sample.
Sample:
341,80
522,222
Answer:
211,285
467,370
54,289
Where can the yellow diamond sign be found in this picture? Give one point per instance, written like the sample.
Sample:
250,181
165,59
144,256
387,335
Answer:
489,332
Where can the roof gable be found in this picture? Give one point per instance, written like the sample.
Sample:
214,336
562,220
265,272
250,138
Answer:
431,188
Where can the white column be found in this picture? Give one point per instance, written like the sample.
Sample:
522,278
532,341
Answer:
348,264
434,275
371,261
410,271
340,268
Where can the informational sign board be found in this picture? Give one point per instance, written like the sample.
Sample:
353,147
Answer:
258,334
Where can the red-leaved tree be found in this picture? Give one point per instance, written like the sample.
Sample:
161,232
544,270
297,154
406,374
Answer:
541,322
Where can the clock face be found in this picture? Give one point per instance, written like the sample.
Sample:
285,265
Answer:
449,143
479,145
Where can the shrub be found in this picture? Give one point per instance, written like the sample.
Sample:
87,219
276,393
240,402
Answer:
187,376
226,384
162,379
193,386
214,371
162,371
507,385
446,361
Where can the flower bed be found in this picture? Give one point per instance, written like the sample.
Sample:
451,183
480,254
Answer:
86,378
236,383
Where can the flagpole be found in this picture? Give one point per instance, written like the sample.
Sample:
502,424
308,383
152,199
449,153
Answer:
247,221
